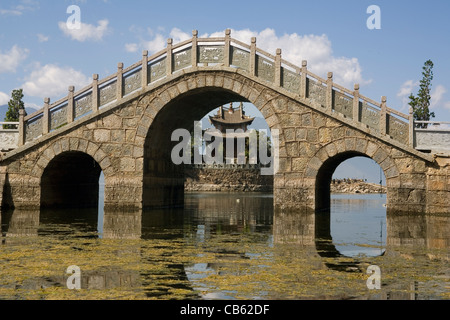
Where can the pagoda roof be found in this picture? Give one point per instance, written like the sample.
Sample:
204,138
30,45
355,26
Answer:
231,116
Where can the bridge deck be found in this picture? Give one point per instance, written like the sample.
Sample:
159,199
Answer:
226,53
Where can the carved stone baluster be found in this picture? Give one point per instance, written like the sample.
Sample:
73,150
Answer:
194,53
95,95
411,127
253,57
22,115
227,48
119,81
70,105
356,103
329,95
303,85
144,71
169,64
46,118
278,68
383,116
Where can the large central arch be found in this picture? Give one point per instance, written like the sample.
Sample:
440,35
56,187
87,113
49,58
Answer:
178,106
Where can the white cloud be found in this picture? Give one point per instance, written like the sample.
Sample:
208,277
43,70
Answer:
42,38
405,91
316,49
18,10
159,42
4,98
131,47
29,105
10,60
12,12
437,96
86,32
410,87
53,81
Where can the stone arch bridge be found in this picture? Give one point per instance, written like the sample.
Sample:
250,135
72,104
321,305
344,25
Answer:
122,125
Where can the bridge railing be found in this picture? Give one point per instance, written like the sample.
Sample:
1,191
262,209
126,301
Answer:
223,51
9,135
432,136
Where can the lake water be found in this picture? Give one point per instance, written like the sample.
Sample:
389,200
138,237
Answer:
227,246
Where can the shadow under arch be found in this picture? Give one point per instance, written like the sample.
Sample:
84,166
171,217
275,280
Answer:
70,180
163,181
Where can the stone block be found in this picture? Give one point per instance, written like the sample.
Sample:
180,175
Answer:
371,148
391,172
209,81
237,87
324,135
289,134
127,164
102,135
301,134
292,149
118,135
299,164
319,120
312,135
73,144
331,150
65,145
91,148
57,147
307,120
129,135
182,87
361,145
130,122
112,121
173,92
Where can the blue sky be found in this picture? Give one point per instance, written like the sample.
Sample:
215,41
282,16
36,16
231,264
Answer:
38,52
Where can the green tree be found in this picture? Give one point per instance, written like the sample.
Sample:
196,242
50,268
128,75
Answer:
14,105
421,103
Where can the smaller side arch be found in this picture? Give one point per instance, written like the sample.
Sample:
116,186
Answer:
323,164
70,144
70,171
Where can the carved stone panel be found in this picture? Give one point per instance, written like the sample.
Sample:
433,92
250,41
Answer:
210,54
8,140
265,69
83,105
370,116
58,117
33,128
290,80
157,70
108,93
240,58
132,82
316,92
343,104
397,129
182,59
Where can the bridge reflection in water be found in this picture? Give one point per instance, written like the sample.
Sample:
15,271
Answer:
234,245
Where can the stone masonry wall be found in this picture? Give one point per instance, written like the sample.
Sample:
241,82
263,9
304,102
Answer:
232,180
313,141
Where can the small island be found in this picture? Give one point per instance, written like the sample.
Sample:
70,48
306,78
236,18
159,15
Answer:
355,186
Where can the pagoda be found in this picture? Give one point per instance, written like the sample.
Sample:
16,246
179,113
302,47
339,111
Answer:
230,119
